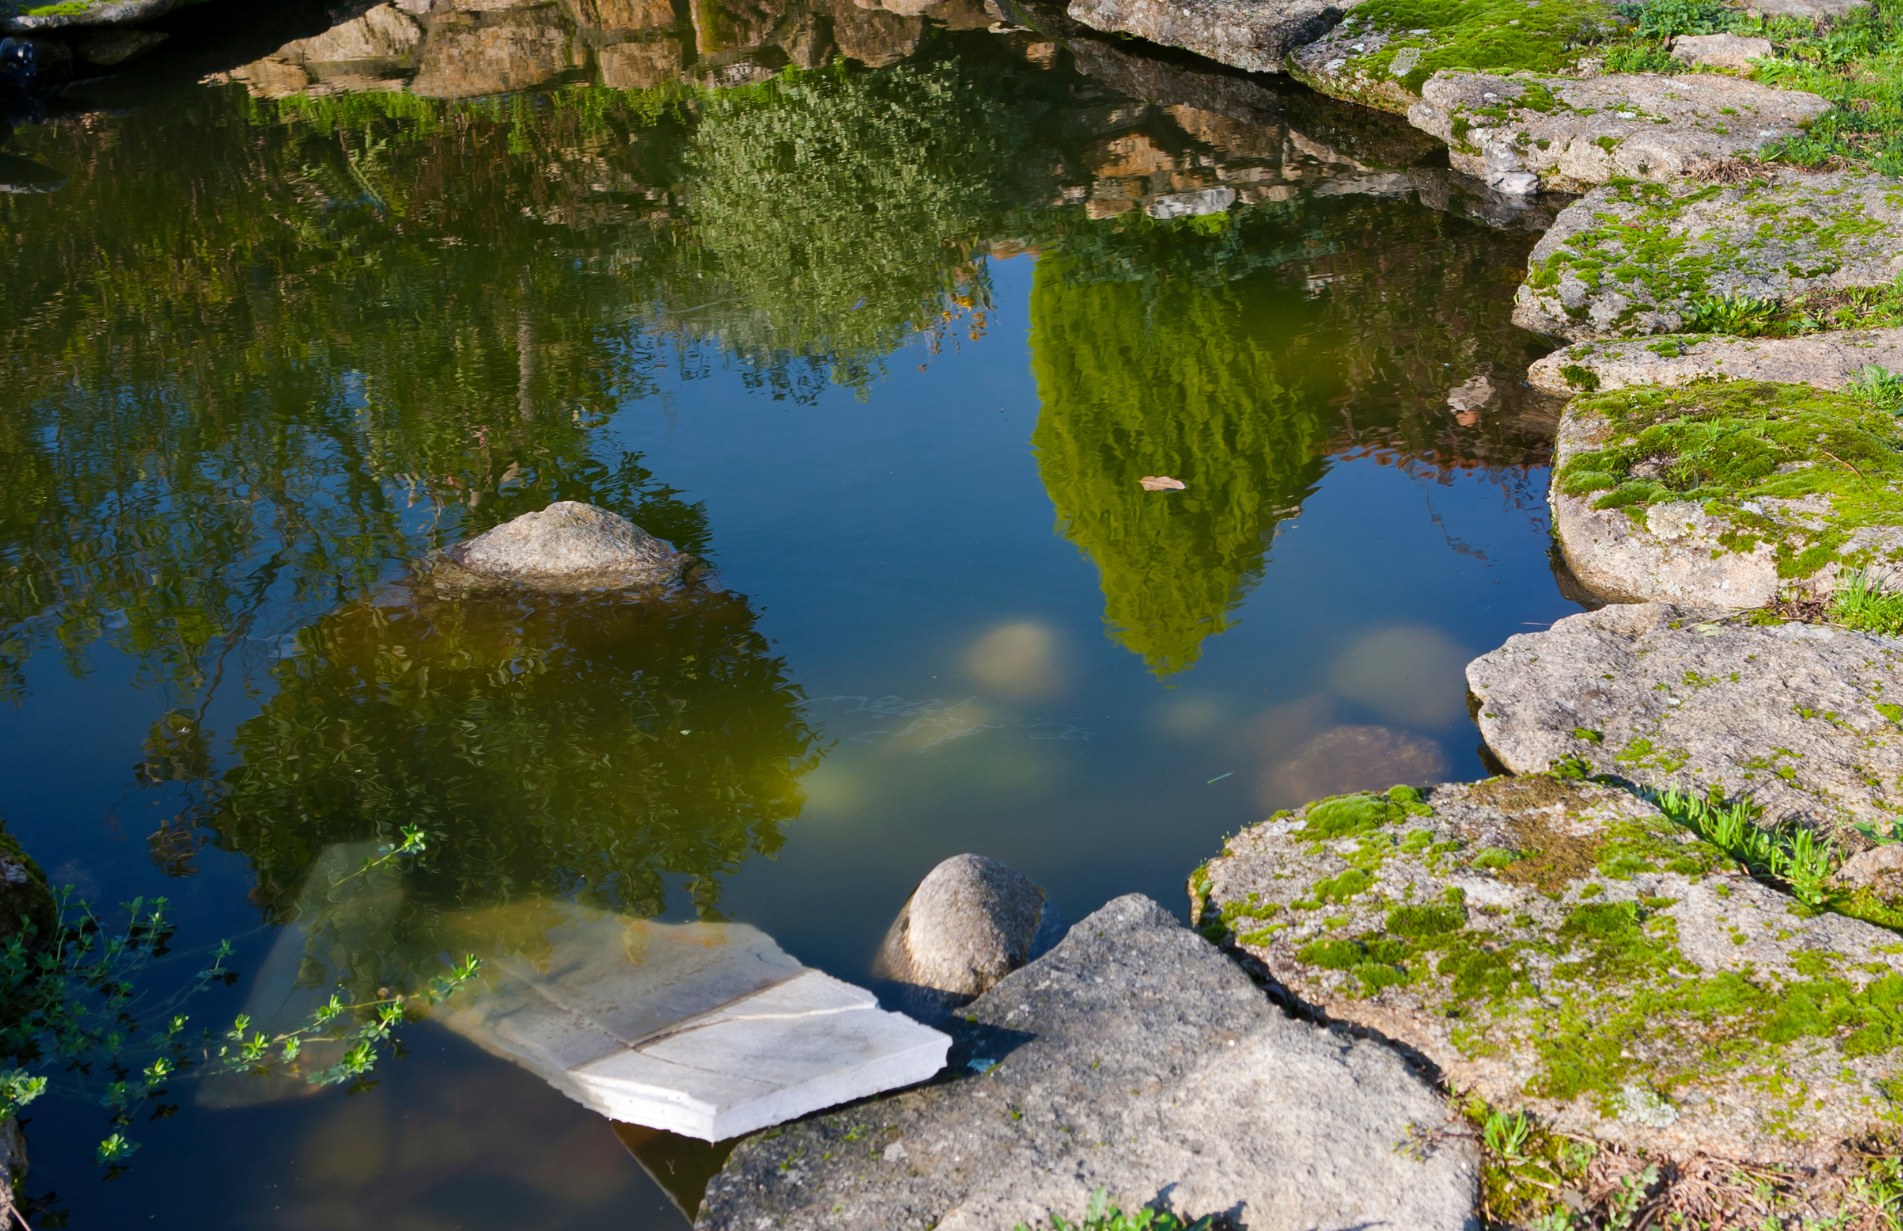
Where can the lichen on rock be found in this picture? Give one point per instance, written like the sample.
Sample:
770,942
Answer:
1722,492
1562,947
1638,258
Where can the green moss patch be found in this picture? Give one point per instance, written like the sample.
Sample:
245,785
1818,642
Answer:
1733,445
1498,35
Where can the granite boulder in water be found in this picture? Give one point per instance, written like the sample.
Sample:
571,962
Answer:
565,548
970,922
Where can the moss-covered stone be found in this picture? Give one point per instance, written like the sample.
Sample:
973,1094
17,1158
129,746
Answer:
1383,51
1640,258
1563,947
1720,492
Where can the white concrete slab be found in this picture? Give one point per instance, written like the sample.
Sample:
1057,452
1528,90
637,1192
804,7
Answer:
707,1030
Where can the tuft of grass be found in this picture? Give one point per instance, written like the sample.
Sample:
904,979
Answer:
1744,316
1792,855
1861,603
1880,387
1100,1215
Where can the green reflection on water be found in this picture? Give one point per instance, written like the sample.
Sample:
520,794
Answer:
547,745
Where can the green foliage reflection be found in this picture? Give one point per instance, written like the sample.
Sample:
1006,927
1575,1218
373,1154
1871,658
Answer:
1170,376
587,746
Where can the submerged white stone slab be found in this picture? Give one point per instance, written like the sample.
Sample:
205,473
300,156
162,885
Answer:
707,1030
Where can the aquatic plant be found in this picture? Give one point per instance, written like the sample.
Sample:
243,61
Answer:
73,998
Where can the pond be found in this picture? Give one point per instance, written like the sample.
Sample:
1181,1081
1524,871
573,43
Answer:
884,315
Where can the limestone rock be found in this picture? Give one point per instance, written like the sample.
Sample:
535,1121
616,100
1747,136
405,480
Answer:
1879,869
1344,64
1133,1057
1806,493
1256,37
1638,258
640,66
970,922
707,1030
12,1170
1825,360
383,33
1792,714
1565,948
25,898
470,55
1733,51
1811,9
566,547
1526,133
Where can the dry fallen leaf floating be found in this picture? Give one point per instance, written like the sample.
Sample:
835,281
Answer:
1162,483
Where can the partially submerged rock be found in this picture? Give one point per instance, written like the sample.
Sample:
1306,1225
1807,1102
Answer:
1135,1058
970,922
29,17
1637,258
1793,715
1255,36
1562,947
1723,492
1823,360
707,1030
1526,133
565,548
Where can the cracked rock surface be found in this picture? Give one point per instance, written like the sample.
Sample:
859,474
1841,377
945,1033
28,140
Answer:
1255,37
1803,718
1563,947
1529,133
1824,360
1137,1058
1635,258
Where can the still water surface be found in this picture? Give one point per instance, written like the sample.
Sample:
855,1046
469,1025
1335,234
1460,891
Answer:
890,347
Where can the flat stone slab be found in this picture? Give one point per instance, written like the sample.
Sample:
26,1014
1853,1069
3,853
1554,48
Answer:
564,548
1256,37
1528,133
707,1030
1732,51
1631,259
1136,1058
1562,947
1725,493
1825,360
1794,715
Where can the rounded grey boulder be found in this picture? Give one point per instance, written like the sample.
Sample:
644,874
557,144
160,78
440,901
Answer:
567,547
970,922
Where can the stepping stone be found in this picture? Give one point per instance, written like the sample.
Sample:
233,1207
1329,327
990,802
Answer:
565,548
1823,360
1526,133
706,1030
1632,259
1136,1058
1725,493
1256,37
1561,947
1793,715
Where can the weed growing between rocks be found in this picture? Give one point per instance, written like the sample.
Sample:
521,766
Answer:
1861,603
1734,445
1746,316
1790,855
1102,1216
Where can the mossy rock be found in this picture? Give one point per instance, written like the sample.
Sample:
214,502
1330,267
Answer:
1720,492
1384,50
26,900
1828,360
1562,947
1640,258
